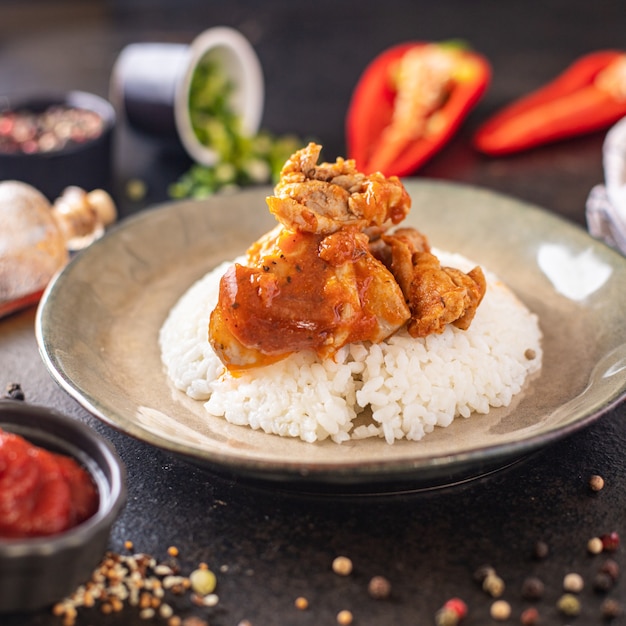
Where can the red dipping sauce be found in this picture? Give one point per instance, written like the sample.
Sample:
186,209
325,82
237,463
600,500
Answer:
41,493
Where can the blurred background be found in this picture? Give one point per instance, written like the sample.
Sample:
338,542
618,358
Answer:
312,54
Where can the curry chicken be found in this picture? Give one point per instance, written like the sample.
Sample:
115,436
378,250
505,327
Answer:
335,270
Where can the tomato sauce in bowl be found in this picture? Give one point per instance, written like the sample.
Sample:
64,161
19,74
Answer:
41,492
62,487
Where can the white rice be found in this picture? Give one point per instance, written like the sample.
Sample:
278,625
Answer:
399,389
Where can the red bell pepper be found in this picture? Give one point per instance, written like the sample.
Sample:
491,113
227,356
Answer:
400,115
589,95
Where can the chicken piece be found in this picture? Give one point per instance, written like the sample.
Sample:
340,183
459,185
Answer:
304,291
327,197
436,295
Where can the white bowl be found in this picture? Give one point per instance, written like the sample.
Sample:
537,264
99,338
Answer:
150,85
236,56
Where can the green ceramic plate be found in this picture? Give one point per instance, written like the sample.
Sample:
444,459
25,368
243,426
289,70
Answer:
98,323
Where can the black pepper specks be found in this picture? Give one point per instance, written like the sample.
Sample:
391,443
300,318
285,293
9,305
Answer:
14,392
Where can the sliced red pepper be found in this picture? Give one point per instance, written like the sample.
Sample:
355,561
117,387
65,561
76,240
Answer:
573,104
374,101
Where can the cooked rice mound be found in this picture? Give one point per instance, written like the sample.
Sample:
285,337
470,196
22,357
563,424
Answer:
401,388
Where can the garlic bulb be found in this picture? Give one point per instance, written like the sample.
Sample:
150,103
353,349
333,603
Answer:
36,237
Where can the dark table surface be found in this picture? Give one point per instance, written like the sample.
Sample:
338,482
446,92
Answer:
270,544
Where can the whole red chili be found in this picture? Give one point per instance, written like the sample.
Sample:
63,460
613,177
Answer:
589,95
409,102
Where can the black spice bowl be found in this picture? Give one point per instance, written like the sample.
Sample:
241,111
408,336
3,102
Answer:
53,163
37,572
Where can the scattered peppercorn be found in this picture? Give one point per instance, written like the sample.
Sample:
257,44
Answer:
194,621
203,581
596,482
569,605
446,617
29,132
532,588
602,582
611,608
137,580
611,568
344,618
610,541
14,392
172,551
573,583
529,616
342,566
301,603
500,610
594,545
493,585
541,550
136,189
379,588
451,613
458,606
482,572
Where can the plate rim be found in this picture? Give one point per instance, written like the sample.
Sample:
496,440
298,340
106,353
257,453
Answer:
342,473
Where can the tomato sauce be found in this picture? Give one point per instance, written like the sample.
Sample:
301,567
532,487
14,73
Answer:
41,493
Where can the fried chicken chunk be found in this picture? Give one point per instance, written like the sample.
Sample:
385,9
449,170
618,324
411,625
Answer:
327,197
436,295
304,291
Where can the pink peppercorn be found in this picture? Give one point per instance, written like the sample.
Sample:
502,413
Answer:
458,606
610,542
529,616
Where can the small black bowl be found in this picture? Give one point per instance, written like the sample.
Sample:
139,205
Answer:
87,164
37,572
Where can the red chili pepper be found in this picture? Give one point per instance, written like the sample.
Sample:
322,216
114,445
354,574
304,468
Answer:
583,99
378,98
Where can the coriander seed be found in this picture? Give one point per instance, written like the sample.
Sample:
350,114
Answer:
301,603
596,482
342,566
594,545
344,618
500,610
573,583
